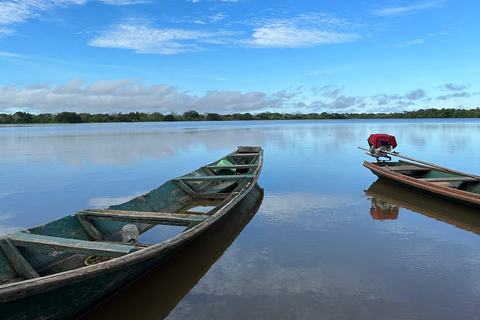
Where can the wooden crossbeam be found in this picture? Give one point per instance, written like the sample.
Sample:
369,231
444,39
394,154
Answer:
217,178
408,168
183,186
178,219
19,263
89,228
448,179
105,249
211,196
235,166
221,187
243,154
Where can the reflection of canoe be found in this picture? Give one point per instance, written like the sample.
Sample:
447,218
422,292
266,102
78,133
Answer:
177,275
43,271
435,181
459,216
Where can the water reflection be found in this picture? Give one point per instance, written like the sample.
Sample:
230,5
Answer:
383,210
90,146
156,294
387,198
312,251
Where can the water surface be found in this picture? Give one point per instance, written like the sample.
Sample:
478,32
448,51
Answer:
328,242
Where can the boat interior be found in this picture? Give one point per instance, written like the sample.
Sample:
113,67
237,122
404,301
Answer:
96,235
433,175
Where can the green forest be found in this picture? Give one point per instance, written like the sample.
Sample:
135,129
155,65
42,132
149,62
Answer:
192,115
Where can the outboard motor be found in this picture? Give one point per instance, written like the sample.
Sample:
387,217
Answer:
380,143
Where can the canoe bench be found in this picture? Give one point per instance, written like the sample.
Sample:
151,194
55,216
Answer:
216,192
99,247
164,218
10,243
448,179
445,182
408,168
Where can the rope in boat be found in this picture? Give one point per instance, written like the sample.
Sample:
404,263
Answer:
91,260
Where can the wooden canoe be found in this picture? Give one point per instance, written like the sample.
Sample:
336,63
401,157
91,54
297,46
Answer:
439,182
46,271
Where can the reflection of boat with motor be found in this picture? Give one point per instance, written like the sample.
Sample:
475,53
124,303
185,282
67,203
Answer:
426,177
457,215
383,210
64,267
178,274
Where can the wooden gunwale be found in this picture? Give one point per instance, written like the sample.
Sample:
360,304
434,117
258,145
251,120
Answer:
431,188
30,287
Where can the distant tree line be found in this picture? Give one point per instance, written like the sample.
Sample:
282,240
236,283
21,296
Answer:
192,115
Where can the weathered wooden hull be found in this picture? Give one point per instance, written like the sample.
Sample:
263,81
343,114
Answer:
67,294
455,195
177,275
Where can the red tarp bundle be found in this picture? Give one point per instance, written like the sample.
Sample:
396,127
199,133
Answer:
377,138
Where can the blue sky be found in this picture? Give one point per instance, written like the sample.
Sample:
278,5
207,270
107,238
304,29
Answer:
229,56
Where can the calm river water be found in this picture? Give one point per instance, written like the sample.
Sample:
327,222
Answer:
328,241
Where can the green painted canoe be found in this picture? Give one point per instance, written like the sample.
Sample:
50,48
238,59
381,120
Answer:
60,269
435,181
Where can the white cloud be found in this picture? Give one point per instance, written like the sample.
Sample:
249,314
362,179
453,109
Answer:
125,2
9,54
454,87
396,11
129,95
18,11
306,30
144,39
126,95
416,41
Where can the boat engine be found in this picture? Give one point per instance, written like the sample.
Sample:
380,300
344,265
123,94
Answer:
380,143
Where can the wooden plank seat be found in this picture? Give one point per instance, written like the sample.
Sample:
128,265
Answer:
234,166
177,219
239,154
408,168
211,196
105,249
216,178
443,184
221,187
448,179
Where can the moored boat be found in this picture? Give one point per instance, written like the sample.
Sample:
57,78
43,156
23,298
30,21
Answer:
425,177
64,267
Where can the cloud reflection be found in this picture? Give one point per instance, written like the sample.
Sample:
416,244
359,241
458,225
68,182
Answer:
114,143
7,229
308,210
103,202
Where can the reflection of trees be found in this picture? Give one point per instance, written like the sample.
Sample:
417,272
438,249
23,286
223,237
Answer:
116,143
